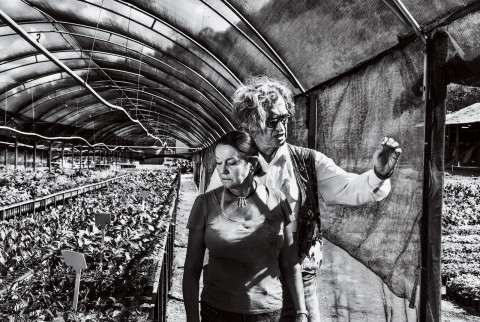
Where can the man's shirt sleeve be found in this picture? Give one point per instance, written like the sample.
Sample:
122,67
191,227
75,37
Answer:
337,186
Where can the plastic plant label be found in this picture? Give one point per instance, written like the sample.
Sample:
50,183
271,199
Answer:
144,194
103,219
74,259
77,261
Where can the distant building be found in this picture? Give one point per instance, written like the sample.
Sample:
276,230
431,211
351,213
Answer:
462,137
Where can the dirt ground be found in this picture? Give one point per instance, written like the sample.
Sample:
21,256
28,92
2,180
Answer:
348,290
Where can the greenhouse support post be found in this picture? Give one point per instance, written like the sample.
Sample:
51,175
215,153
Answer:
312,120
431,221
35,156
49,160
16,153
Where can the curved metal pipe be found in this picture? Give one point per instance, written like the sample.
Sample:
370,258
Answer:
57,62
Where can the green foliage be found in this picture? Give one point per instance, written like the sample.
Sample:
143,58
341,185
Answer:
461,235
461,202
18,186
36,284
460,96
467,284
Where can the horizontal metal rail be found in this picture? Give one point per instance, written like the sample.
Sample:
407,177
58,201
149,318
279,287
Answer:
9,211
164,272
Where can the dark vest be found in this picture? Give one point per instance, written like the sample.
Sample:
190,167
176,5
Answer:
309,228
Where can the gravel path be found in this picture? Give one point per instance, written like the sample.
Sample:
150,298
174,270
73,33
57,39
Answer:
188,193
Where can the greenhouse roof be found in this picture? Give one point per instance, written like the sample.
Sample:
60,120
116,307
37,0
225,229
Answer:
148,72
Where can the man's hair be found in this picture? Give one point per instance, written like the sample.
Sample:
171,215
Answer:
243,142
252,101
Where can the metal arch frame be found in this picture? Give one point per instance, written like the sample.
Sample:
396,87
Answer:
212,131
153,58
39,47
178,135
409,17
198,111
193,138
133,59
25,108
165,112
185,98
152,77
98,68
169,26
66,87
287,72
124,133
264,41
222,113
117,127
56,138
151,28
196,129
162,111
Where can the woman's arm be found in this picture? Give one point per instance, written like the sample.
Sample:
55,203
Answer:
291,272
191,273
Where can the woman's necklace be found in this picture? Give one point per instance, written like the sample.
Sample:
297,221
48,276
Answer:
241,201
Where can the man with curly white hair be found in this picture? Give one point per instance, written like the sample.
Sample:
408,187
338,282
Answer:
264,106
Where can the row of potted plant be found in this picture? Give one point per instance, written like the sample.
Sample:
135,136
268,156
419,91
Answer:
36,284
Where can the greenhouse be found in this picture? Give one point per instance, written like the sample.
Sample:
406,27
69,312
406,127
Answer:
110,114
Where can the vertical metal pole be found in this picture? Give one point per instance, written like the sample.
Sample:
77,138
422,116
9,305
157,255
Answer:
25,151
16,153
63,154
49,160
312,120
5,161
94,163
81,160
73,159
35,156
457,146
431,220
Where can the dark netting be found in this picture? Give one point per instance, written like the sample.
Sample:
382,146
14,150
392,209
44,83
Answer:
321,39
354,114
427,11
218,28
464,60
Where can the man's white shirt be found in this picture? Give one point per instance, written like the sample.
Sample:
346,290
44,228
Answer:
335,185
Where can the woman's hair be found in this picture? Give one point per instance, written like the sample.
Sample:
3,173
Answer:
252,101
243,142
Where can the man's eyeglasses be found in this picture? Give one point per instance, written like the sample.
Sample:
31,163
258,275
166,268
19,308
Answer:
272,123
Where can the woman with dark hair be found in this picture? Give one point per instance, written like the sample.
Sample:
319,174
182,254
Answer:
246,228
